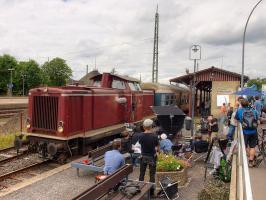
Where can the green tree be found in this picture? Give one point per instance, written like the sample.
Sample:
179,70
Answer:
56,72
6,62
31,73
257,81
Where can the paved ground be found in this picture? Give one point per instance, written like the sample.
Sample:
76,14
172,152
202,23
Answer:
258,180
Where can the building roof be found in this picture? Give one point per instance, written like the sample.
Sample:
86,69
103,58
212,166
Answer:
88,78
128,78
209,74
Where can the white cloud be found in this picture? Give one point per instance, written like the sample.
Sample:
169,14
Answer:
119,33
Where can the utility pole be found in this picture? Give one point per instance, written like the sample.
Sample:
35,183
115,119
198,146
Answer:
87,69
95,64
155,49
194,54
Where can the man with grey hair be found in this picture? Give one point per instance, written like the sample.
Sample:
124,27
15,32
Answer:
149,147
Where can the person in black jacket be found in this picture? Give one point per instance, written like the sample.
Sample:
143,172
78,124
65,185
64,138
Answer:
135,146
149,148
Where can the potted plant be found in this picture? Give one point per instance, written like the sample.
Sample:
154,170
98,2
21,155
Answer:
171,167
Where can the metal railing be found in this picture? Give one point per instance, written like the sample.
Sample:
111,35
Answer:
240,188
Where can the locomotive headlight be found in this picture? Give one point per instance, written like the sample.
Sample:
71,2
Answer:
28,123
60,128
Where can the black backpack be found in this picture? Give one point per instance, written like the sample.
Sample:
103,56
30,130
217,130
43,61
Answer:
249,120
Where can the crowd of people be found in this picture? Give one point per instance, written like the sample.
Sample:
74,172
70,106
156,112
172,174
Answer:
250,113
143,145
245,111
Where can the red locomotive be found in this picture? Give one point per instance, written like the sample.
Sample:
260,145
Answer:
66,119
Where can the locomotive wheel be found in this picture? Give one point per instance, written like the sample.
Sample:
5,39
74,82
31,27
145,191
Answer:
33,148
62,158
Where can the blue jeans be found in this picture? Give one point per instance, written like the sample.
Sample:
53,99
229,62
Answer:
231,132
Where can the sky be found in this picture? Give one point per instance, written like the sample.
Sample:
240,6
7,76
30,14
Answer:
119,34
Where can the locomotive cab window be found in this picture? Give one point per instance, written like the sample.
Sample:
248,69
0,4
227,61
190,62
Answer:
138,86
134,86
118,84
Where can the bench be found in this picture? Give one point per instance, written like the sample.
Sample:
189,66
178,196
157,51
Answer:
95,162
101,189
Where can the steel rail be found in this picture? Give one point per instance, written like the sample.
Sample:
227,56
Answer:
8,159
10,174
6,149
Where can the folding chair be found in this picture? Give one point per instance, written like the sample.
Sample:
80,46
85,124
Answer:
168,189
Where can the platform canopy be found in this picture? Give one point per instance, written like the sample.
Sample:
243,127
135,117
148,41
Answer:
204,78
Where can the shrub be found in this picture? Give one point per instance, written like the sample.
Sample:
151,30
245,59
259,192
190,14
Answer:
6,140
169,163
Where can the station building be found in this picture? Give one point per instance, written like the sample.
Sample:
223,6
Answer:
213,85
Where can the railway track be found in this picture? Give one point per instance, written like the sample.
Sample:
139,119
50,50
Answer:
23,168
7,113
6,149
13,157
10,154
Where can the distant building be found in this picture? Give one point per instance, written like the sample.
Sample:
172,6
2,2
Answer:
86,80
71,82
213,85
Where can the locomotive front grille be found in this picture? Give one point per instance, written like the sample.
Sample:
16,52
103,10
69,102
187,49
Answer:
45,113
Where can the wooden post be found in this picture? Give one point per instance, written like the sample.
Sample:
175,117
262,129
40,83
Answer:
204,95
200,96
21,122
190,100
196,101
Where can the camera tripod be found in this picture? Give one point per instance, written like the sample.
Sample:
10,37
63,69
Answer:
215,139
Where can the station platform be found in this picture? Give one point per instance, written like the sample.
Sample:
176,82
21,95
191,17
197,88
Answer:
13,100
64,184
258,179
7,103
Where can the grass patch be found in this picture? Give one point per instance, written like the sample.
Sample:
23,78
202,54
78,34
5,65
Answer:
6,140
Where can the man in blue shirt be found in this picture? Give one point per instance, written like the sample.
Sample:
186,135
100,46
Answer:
165,144
113,159
250,134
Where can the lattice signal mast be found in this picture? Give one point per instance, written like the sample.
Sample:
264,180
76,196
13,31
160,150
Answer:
155,49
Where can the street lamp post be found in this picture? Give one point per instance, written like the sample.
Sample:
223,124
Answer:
194,54
10,85
243,44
